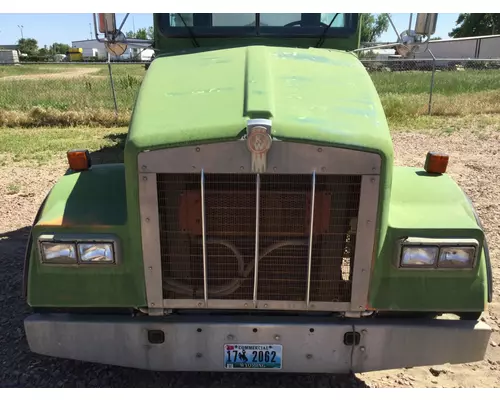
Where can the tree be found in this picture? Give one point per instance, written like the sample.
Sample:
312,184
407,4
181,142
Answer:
436,38
59,48
476,25
28,46
372,27
141,33
43,51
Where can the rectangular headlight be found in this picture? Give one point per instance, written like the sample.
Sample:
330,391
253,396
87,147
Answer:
437,253
58,253
419,256
96,252
456,257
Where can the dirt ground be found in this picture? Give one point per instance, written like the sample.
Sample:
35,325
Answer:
474,163
72,73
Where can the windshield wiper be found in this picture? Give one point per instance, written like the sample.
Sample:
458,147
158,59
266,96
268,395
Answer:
323,35
193,38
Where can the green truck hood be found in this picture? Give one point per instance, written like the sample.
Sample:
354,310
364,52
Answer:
315,95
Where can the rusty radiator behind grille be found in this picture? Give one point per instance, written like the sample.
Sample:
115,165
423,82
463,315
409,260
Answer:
284,232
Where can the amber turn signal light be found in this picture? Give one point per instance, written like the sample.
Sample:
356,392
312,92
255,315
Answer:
436,163
79,160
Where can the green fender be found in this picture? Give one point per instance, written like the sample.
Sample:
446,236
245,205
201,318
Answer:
89,202
428,206
486,251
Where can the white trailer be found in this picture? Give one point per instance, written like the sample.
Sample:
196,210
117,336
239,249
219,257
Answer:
140,54
479,47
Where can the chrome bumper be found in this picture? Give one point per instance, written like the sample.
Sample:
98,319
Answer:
310,345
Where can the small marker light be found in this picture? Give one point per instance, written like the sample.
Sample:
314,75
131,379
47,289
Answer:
436,163
79,160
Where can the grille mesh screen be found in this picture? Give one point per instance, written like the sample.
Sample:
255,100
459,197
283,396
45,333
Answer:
284,224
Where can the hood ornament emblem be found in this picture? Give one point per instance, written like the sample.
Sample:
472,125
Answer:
259,142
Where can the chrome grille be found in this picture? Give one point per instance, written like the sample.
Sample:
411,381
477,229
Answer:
284,226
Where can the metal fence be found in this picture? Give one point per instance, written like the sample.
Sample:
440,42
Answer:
431,82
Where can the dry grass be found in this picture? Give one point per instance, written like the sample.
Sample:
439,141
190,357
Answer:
447,125
50,117
14,70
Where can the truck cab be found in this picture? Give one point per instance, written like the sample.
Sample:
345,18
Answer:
258,221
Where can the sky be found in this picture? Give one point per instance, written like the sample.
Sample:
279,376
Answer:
65,28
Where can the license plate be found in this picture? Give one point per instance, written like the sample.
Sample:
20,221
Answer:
253,356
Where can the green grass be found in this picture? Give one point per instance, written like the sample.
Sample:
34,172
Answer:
88,100
13,188
45,144
92,91
69,94
446,83
118,70
405,95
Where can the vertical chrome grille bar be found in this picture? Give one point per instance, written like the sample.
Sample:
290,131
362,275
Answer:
309,263
257,214
204,235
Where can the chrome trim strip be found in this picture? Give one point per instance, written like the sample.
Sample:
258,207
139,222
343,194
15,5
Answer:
257,212
261,305
151,249
311,230
268,123
365,241
282,158
204,236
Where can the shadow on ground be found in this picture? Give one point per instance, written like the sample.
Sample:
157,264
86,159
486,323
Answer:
112,153
21,368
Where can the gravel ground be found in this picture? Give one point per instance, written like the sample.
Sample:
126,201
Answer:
474,163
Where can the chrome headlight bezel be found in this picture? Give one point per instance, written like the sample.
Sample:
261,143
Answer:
441,245
77,241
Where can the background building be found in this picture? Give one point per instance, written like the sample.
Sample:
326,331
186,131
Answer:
93,48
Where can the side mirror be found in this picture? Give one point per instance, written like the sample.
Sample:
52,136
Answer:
107,23
426,24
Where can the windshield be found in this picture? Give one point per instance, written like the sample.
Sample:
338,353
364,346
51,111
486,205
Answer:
266,24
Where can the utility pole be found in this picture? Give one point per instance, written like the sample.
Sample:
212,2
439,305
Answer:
21,28
90,31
